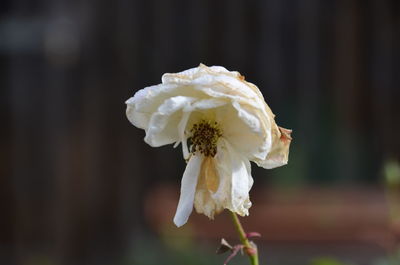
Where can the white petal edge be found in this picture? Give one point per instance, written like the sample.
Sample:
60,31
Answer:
145,102
188,189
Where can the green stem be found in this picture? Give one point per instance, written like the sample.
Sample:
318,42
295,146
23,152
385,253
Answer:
249,248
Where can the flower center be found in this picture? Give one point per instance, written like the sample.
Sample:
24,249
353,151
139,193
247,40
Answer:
204,138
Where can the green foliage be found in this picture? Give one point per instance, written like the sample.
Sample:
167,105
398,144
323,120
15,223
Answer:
392,173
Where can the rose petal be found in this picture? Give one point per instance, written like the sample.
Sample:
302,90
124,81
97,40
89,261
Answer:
240,183
243,131
208,182
163,126
188,188
217,82
235,180
187,76
145,102
279,154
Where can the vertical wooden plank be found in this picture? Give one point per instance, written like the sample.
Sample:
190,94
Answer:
346,87
234,35
270,49
382,72
308,85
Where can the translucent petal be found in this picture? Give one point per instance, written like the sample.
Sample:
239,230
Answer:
188,188
208,183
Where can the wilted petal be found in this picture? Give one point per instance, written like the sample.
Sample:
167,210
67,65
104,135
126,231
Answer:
279,154
188,188
145,102
208,183
240,182
186,76
244,131
248,169
235,180
217,82
163,126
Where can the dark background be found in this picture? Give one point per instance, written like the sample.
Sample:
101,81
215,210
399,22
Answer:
75,173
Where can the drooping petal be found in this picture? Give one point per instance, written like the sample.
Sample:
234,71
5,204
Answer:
240,186
234,183
188,188
208,183
248,169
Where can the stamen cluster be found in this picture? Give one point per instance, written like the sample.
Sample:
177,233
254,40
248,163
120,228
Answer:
204,138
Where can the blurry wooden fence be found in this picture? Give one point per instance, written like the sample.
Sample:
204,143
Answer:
74,170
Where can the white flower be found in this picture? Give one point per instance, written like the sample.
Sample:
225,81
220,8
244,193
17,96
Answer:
222,123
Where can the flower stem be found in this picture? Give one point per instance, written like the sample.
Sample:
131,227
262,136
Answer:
249,247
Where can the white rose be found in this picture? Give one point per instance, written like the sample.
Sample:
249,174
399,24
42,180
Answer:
222,123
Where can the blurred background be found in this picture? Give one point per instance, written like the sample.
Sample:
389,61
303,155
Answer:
79,186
